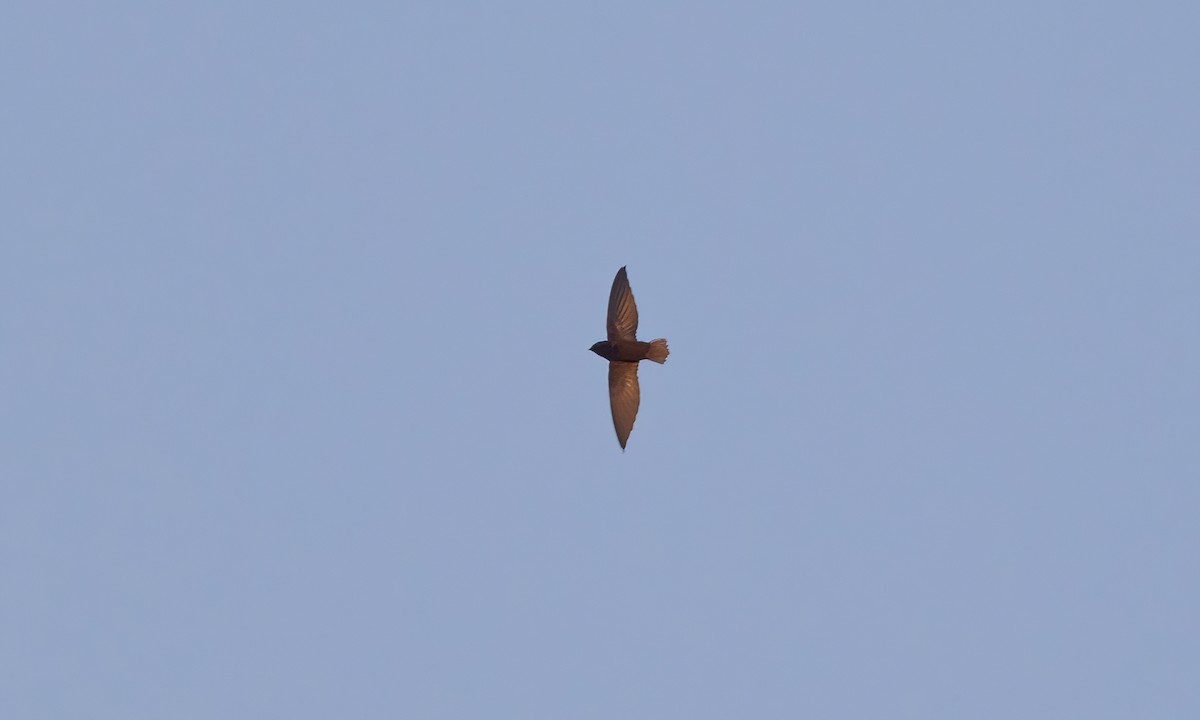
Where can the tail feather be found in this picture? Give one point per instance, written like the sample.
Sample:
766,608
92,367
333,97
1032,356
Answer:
658,351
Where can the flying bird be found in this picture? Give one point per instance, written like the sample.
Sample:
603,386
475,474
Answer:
623,351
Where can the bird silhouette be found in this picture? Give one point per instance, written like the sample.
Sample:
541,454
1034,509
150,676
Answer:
623,352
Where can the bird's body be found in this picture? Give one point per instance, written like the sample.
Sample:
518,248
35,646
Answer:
623,351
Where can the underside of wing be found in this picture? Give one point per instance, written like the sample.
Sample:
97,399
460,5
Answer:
624,396
622,311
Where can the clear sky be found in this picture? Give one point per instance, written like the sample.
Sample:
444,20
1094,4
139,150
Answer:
299,419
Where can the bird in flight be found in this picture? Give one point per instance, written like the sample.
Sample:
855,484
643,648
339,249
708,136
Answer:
623,351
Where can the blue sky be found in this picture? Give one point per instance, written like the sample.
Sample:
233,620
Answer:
300,421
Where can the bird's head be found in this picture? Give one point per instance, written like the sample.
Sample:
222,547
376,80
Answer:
600,348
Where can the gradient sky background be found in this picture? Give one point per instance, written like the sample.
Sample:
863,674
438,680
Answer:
299,418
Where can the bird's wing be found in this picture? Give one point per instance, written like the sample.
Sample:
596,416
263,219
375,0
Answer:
622,312
624,396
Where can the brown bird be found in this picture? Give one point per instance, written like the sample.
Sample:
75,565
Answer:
623,351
